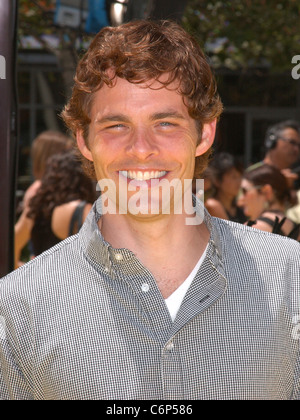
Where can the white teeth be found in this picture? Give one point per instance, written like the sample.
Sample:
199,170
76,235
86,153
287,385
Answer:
143,176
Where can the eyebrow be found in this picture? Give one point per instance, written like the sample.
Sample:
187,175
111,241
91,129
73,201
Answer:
154,117
167,114
112,118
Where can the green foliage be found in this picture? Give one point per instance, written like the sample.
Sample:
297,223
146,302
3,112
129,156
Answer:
236,34
245,33
36,17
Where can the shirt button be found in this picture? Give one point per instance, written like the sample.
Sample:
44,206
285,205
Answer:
145,287
170,346
119,257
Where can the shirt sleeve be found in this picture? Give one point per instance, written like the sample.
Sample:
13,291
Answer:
295,290
13,385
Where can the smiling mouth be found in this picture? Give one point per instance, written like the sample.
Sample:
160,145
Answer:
143,176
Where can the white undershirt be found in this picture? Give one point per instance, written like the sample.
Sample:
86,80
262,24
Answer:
174,301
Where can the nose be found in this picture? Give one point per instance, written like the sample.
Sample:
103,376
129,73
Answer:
240,201
142,144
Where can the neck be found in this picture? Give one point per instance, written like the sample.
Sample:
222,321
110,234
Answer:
156,235
226,199
276,206
167,246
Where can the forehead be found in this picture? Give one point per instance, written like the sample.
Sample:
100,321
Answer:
233,172
290,133
126,95
246,183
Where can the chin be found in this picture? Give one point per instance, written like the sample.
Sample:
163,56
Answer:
246,213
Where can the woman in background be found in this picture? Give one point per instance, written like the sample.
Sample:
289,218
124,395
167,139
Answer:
65,191
265,198
45,145
226,176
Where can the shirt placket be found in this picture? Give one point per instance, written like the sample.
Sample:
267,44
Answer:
144,286
171,370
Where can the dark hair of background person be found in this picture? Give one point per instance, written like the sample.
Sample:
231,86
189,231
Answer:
46,144
223,162
275,131
269,175
141,51
63,181
225,173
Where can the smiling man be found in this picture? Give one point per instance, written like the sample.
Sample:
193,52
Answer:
141,304
139,135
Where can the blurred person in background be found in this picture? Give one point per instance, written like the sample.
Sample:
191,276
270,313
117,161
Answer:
294,212
45,145
225,175
59,206
207,190
282,144
265,197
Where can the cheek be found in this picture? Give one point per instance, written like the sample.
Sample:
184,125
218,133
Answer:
235,183
229,185
283,149
249,201
103,150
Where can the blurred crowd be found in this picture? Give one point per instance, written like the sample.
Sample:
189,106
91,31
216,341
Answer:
57,202
265,196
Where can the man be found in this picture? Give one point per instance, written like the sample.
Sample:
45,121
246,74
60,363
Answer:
282,144
149,301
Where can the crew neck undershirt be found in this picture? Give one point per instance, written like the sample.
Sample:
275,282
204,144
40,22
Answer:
174,301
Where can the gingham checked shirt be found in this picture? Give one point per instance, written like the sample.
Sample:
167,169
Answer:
86,321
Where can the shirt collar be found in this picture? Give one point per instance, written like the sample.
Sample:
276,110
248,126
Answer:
107,258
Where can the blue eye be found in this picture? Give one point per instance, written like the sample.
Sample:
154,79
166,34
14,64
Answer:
166,124
116,127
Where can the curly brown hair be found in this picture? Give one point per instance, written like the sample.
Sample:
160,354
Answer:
141,51
63,181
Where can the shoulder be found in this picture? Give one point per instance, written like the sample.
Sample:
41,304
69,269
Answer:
262,266
61,217
61,267
41,286
35,294
261,261
258,244
294,212
31,191
215,208
42,273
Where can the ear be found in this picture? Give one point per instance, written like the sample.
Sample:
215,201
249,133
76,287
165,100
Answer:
208,136
81,143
